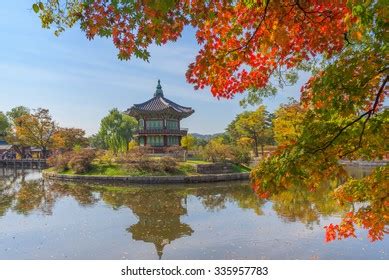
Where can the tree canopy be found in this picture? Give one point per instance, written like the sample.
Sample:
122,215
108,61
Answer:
17,112
252,128
116,130
35,129
4,124
68,138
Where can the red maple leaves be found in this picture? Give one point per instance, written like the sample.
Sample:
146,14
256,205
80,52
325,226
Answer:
241,44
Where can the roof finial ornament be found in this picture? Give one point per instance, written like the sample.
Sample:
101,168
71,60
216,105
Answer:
159,91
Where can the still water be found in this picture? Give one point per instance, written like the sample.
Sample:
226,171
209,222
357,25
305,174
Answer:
42,219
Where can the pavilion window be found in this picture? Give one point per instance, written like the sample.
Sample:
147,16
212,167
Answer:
141,141
141,124
172,140
155,141
172,124
154,124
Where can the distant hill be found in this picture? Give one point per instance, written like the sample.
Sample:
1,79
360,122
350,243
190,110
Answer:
205,136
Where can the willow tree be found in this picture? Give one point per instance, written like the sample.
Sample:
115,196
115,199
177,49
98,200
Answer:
116,130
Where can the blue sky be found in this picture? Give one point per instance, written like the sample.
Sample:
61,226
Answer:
79,80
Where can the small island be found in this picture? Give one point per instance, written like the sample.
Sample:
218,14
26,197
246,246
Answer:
157,150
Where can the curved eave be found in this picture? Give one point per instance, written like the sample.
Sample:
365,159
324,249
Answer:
136,112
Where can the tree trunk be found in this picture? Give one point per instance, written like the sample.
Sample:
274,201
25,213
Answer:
262,151
256,146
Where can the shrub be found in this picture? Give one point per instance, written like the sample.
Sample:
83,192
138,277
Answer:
175,151
240,154
81,161
78,160
132,145
132,156
59,161
105,157
216,151
168,164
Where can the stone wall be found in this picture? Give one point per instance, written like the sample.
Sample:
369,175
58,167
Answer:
215,168
150,179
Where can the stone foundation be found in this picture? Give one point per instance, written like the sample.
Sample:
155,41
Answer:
215,168
150,179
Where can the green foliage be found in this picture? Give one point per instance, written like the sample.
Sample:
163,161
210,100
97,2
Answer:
96,141
59,15
116,130
216,151
188,142
4,124
252,128
16,113
240,154
255,95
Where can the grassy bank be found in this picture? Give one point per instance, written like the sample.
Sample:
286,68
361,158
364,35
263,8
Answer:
183,168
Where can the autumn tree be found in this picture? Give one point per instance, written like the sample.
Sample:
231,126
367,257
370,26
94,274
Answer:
216,150
188,142
287,123
16,113
253,127
35,130
258,46
68,138
116,130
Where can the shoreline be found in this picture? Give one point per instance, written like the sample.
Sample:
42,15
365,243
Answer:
175,179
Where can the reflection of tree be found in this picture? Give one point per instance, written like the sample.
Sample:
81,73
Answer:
300,204
33,195
215,199
83,194
23,196
7,193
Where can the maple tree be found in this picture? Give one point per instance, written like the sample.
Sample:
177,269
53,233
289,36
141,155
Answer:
254,47
68,138
34,130
242,43
287,122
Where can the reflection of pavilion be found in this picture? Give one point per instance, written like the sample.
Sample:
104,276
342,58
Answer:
159,215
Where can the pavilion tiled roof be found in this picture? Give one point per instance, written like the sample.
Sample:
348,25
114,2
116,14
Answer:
159,104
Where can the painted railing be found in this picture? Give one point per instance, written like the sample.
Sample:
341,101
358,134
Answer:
164,131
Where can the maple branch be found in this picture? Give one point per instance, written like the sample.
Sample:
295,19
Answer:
346,38
254,33
368,113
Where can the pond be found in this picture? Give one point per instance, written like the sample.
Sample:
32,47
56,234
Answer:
42,219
